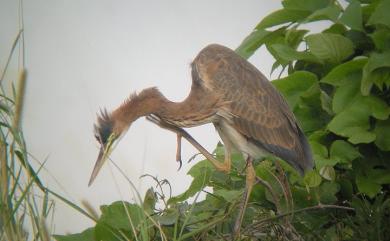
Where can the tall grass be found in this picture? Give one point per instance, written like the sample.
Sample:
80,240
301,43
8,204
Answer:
25,207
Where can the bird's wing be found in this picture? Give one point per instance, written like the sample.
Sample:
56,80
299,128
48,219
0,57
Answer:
258,110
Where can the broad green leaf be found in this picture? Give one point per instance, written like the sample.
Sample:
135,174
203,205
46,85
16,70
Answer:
382,131
352,16
312,179
150,200
259,37
376,61
86,235
320,155
322,162
381,77
330,47
308,5
336,28
367,186
201,172
354,124
294,37
359,135
328,191
282,16
328,13
203,166
229,195
169,217
328,173
104,232
318,135
381,14
346,94
343,151
120,215
353,112
252,42
380,176
288,54
294,85
338,73
381,38
309,112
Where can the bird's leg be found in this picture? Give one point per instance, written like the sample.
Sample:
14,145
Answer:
178,150
156,120
250,181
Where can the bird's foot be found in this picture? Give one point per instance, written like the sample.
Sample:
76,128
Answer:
179,132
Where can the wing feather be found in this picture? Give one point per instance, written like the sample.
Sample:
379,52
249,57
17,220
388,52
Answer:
258,110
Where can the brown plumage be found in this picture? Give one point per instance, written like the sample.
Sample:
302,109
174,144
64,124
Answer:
248,112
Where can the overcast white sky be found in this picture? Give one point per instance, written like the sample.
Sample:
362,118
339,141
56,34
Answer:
84,55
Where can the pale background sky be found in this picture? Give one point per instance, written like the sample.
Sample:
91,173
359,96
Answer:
84,55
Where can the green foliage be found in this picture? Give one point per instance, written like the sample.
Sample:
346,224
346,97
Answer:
338,86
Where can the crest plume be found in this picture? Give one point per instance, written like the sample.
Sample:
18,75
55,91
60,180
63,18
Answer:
103,127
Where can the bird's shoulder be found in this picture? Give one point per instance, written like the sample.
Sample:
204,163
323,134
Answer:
257,109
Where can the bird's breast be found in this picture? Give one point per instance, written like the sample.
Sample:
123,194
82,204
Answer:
239,141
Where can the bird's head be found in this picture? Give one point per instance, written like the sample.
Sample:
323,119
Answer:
111,126
107,132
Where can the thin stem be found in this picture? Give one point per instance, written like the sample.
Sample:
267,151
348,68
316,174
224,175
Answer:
319,206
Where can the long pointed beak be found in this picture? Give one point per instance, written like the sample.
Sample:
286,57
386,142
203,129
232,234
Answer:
98,165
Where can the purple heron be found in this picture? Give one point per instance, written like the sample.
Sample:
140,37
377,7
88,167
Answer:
249,114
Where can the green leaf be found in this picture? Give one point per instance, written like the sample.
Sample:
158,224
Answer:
228,195
382,131
294,37
343,151
312,179
328,13
150,200
201,172
104,232
320,155
328,173
353,112
328,191
309,111
338,73
352,16
86,235
380,176
288,54
376,61
294,85
359,135
346,94
336,28
120,215
252,42
326,102
367,186
381,14
169,217
282,16
352,123
330,47
308,5
381,38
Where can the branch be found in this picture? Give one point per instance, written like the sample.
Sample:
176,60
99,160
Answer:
319,206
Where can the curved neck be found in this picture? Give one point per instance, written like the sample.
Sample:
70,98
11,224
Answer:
194,110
